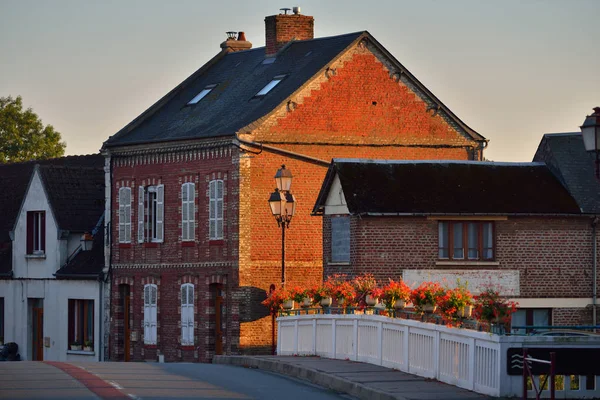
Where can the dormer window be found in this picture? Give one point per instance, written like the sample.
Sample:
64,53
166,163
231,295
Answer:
201,95
269,86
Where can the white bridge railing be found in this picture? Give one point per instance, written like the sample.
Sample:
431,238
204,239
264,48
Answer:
465,358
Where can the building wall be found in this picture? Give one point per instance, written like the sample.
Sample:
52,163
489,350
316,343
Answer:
45,266
360,111
551,258
171,263
55,295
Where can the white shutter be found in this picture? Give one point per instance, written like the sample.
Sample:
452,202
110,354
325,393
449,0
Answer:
121,216
153,316
140,211
187,314
191,210
190,308
160,212
147,334
184,213
212,209
184,319
219,207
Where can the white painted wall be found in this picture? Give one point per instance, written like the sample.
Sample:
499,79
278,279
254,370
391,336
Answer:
506,281
55,295
336,201
24,266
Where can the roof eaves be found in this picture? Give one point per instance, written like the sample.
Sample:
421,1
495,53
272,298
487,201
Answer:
36,167
470,131
161,102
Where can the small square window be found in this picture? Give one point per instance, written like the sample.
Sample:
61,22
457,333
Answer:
269,86
201,95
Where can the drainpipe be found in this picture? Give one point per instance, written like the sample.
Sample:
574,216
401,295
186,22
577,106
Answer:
594,264
101,314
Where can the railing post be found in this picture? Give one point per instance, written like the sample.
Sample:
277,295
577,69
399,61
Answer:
405,349
380,342
333,337
355,338
314,342
471,360
436,355
295,337
278,337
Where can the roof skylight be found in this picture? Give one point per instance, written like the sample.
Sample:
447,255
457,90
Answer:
201,95
269,86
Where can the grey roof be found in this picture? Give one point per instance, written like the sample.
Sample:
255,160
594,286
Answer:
447,187
566,157
230,106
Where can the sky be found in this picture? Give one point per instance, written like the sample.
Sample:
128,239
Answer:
512,69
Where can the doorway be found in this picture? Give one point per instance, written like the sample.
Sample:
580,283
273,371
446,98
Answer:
216,292
36,333
126,327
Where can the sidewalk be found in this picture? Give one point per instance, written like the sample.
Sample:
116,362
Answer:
361,380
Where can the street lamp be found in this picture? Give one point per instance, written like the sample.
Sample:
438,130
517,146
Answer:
283,207
590,131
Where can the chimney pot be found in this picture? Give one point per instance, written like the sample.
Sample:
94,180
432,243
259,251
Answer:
231,44
241,36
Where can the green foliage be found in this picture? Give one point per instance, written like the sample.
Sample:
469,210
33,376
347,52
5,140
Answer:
23,137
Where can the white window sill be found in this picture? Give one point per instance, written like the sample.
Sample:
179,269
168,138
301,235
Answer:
334,263
81,352
41,256
468,263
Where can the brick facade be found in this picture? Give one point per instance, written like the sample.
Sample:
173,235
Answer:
553,255
358,107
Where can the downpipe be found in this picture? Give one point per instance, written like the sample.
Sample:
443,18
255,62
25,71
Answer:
594,269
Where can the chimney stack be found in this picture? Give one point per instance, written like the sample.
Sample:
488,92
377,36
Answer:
281,28
233,44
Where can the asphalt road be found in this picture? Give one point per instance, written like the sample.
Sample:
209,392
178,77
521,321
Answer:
86,381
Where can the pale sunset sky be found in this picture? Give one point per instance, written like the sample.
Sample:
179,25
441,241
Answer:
512,69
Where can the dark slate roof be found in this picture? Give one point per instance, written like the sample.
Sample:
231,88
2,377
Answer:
447,187
228,107
240,75
76,194
86,264
566,157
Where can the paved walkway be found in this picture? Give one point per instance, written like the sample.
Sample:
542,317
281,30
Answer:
361,380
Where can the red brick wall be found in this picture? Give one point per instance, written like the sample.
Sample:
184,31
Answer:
553,255
336,119
171,263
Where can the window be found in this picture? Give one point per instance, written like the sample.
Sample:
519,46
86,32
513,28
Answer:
151,213
187,314
340,239
36,232
124,215
269,86
188,210
215,216
150,294
531,317
81,321
201,95
466,240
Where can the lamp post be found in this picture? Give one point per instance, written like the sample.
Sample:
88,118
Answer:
590,131
283,207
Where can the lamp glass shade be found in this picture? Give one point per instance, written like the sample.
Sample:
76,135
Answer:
290,205
277,203
591,137
283,179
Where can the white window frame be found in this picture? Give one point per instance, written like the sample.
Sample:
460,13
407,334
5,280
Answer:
188,211
125,215
155,211
150,313
38,229
215,212
141,214
187,314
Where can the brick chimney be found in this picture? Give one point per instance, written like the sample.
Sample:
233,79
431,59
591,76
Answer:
281,28
233,44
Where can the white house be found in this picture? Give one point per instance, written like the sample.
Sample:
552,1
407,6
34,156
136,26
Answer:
51,211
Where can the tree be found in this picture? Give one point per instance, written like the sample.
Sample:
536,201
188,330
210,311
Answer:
23,137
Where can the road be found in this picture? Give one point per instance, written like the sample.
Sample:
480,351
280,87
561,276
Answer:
110,380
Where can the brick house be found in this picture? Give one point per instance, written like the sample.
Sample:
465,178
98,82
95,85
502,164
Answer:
194,246
50,284
513,225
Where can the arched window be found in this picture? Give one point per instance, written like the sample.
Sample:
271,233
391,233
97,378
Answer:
150,300
187,314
